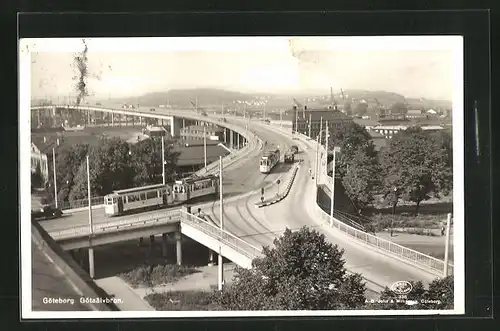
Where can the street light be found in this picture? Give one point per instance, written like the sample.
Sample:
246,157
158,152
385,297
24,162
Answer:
332,197
395,200
221,210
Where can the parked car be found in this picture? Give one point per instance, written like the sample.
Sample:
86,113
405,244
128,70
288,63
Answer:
46,212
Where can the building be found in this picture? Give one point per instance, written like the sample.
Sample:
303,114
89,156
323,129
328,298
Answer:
192,155
379,140
388,131
156,131
197,132
310,121
39,159
416,113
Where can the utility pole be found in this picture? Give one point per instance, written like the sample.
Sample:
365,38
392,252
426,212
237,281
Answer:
221,210
163,158
296,120
316,165
281,118
205,145
91,227
55,178
310,124
446,253
332,189
326,148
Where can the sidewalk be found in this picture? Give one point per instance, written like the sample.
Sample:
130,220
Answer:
122,291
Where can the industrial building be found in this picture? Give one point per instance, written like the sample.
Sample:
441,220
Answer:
309,121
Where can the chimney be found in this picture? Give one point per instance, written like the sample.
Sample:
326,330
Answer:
44,139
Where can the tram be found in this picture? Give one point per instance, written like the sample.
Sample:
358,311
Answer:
120,202
269,160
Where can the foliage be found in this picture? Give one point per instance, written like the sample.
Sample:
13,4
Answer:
439,295
185,301
415,166
301,271
149,275
146,158
362,179
110,169
36,177
399,108
68,162
360,109
350,137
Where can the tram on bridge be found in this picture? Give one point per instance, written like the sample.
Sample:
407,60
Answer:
269,160
129,200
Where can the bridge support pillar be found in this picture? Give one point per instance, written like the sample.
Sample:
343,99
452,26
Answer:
164,244
91,263
112,120
238,140
225,136
178,247
231,139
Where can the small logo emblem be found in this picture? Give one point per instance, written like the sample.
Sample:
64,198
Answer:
402,287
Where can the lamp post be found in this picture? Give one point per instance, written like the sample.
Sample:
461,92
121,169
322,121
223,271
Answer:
221,217
55,179
205,145
447,243
163,158
332,189
395,200
91,227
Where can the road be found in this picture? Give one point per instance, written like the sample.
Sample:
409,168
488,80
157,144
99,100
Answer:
240,177
259,227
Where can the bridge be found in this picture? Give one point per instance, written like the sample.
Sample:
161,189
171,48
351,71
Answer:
381,262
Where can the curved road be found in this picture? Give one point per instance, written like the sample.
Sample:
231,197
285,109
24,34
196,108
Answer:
240,177
259,227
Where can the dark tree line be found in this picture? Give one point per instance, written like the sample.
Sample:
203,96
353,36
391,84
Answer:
114,164
414,165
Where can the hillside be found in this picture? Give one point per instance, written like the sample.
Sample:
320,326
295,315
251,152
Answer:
216,97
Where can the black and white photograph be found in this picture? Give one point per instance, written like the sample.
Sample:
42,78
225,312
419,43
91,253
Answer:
241,176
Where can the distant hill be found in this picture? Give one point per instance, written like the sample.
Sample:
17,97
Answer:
216,97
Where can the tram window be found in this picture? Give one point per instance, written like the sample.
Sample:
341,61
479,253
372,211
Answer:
151,194
143,196
114,200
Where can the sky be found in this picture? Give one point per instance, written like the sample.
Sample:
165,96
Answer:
131,67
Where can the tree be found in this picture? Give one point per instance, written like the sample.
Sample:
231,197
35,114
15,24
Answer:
301,271
399,108
36,177
360,109
110,169
350,137
362,179
68,161
415,165
146,159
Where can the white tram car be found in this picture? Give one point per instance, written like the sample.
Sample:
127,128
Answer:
269,160
190,188
121,201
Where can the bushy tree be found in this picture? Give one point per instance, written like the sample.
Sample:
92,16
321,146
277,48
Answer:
110,169
351,138
36,177
415,165
360,109
146,159
362,179
68,162
302,271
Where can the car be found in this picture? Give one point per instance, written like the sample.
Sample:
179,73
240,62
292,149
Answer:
46,212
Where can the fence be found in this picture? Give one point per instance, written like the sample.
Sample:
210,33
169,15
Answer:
95,201
113,226
225,237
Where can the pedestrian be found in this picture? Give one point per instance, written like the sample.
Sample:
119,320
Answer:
443,228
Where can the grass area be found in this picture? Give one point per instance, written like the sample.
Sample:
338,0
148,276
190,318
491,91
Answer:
156,275
419,224
183,300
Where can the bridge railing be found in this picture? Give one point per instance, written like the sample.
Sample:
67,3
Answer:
223,236
118,225
74,204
